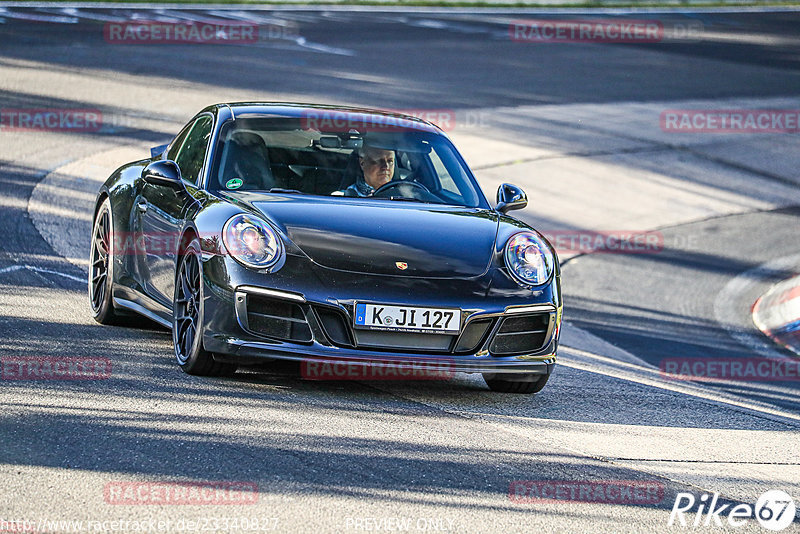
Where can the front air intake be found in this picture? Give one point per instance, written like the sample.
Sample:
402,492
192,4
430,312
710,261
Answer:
277,319
335,326
521,334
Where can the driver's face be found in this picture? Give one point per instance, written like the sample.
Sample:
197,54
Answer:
378,166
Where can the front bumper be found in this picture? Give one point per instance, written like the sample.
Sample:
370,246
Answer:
251,317
232,349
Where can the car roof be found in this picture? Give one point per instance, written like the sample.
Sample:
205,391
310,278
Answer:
301,110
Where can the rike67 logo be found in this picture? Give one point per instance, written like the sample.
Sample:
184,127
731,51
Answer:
774,510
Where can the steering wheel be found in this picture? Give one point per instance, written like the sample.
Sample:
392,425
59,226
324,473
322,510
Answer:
406,189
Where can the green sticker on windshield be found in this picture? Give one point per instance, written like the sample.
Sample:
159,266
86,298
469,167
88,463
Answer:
234,183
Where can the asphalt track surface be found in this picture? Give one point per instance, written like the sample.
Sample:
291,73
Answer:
373,456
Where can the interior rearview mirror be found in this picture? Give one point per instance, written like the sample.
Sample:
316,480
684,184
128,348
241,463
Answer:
330,141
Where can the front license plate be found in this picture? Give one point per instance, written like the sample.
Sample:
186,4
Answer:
407,318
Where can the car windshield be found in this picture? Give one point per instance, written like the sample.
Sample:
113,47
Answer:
294,155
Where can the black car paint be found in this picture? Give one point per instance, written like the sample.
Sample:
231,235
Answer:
456,261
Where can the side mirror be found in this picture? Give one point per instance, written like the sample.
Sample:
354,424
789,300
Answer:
510,197
157,151
163,172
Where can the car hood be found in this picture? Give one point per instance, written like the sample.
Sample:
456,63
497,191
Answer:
389,238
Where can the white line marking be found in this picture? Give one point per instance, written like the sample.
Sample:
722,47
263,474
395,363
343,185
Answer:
274,21
192,17
652,378
74,12
316,47
428,23
153,17
37,18
11,269
253,17
42,271
65,275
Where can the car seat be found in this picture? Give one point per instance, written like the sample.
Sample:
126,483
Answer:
247,159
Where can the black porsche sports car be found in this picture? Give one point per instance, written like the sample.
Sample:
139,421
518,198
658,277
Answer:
320,233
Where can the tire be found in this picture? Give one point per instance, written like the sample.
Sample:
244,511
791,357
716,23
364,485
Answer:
524,383
187,318
101,267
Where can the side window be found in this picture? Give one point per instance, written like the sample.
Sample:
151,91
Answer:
192,151
452,178
177,143
445,179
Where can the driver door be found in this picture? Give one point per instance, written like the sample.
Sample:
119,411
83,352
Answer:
160,211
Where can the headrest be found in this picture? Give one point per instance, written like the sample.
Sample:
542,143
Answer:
248,139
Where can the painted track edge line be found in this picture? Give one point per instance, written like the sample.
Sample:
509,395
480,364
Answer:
694,390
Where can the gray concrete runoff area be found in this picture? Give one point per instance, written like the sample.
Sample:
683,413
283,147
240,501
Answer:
663,169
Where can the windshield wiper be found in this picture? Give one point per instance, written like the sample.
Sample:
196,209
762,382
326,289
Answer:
282,190
409,199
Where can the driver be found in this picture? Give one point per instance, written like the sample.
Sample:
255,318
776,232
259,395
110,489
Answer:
377,166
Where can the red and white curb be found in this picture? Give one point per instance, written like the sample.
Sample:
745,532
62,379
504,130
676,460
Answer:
777,313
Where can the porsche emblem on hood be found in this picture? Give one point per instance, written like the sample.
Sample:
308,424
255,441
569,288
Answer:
401,265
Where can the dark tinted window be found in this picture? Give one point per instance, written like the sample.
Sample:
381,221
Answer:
260,154
178,142
192,152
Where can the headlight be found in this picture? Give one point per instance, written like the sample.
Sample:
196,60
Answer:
529,259
251,241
